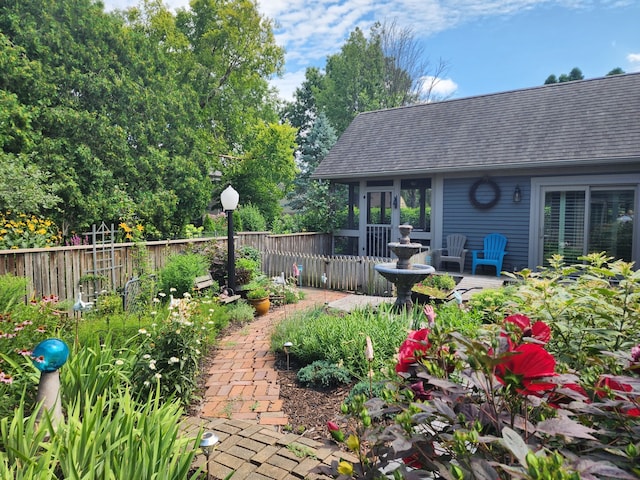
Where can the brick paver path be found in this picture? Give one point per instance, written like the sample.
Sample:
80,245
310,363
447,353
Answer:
242,406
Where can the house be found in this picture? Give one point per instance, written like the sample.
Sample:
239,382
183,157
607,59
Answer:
555,168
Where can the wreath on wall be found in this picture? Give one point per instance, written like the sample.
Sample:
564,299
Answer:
474,190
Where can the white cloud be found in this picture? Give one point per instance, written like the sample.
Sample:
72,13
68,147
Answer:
288,83
634,60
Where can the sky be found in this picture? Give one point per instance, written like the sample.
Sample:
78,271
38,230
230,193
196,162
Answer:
488,46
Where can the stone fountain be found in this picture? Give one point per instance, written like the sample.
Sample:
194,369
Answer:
402,273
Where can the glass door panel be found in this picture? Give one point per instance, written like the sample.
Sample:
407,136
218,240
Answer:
611,223
564,225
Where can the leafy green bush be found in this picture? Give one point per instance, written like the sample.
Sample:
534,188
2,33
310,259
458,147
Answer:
323,374
248,218
180,271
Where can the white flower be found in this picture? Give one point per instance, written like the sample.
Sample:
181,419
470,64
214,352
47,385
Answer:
146,383
119,362
158,376
178,331
152,365
172,290
153,313
154,325
173,360
142,331
186,295
146,356
198,342
211,310
197,352
156,300
162,294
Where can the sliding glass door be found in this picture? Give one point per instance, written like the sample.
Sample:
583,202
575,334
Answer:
581,220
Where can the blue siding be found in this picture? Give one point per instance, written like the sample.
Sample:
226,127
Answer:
506,217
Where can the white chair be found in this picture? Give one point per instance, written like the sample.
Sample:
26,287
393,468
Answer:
454,252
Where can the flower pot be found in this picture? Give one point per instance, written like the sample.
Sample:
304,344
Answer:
260,305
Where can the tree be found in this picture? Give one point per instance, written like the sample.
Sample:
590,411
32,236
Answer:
574,74
387,69
616,71
128,112
311,198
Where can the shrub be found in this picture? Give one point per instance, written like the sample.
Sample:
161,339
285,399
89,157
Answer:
250,219
180,271
323,374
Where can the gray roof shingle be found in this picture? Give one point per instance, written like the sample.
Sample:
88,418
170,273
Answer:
561,124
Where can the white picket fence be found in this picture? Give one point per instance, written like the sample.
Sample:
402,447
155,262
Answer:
354,274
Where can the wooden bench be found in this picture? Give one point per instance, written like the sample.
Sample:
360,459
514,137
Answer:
202,282
206,281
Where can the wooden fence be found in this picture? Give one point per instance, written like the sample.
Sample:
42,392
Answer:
355,274
60,270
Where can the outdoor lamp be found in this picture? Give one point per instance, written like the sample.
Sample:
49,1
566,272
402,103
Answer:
48,356
229,198
207,442
517,194
287,346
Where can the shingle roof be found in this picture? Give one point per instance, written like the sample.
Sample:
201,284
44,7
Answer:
561,124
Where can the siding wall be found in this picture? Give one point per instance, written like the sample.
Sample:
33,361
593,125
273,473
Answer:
508,218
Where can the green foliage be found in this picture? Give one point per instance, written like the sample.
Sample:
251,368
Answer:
250,219
12,291
323,374
215,225
180,271
257,293
240,312
489,303
111,437
590,307
111,113
168,358
340,338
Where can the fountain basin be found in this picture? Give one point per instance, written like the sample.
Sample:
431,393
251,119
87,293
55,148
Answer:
404,279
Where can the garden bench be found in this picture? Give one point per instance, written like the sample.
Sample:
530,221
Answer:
202,282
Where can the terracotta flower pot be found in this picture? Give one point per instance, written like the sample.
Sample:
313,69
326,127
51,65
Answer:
260,305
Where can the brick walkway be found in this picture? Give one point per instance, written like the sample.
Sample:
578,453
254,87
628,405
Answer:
242,406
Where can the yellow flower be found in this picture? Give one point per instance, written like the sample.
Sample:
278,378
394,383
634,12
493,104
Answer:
140,227
42,231
353,443
345,468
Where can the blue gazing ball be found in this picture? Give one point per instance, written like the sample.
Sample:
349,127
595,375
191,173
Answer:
50,354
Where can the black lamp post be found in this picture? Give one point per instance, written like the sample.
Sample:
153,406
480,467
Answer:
229,198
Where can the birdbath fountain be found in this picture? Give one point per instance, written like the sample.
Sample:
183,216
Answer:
403,274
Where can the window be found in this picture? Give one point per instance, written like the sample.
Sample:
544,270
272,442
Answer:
415,203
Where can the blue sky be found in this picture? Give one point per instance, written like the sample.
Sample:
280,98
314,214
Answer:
488,45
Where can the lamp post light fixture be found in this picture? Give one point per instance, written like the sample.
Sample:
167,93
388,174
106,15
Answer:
229,198
287,346
207,443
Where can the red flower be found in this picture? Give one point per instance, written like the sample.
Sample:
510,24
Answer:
417,341
525,366
606,385
566,394
539,330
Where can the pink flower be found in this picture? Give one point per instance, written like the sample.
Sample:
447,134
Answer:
539,330
335,431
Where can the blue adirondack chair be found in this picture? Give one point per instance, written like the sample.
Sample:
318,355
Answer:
493,253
